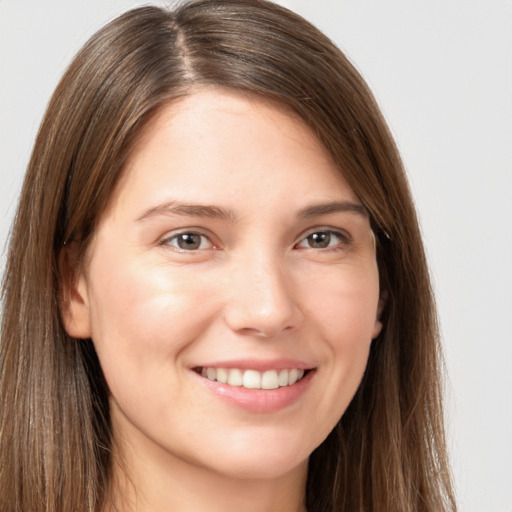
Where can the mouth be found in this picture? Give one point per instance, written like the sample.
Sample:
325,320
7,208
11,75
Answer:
253,379
258,386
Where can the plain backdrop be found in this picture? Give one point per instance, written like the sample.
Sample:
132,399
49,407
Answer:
442,73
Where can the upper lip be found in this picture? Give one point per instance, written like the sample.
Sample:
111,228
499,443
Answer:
259,364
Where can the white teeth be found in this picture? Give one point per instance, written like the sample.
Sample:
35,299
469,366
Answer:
235,377
283,377
222,375
269,380
253,379
292,379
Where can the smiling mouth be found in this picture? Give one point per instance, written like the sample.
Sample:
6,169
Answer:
253,379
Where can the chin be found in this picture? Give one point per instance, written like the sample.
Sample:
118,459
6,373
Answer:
259,459
262,469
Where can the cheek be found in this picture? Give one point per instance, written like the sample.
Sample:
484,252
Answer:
351,331
145,314
144,320
344,304
345,312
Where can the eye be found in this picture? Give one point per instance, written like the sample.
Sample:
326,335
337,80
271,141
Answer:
322,240
188,241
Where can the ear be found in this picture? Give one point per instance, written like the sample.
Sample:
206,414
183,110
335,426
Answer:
73,296
377,328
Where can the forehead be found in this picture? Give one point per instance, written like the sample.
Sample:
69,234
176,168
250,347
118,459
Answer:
223,145
196,113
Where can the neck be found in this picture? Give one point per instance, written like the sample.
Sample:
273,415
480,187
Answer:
143,483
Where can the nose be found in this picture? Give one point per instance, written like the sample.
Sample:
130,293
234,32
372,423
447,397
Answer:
261,300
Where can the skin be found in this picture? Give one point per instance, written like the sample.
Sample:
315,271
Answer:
256,288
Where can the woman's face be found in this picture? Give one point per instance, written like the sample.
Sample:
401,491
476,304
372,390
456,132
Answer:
232,256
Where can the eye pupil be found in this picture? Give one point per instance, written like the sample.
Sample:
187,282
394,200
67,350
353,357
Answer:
189,241
319,240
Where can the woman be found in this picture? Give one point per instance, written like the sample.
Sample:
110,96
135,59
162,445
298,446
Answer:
216,295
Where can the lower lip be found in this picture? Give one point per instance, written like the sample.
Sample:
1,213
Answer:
259,400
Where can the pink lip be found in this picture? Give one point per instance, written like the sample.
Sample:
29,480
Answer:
260,365
258,400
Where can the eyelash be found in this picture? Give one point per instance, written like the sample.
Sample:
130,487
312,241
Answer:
343,241
167,241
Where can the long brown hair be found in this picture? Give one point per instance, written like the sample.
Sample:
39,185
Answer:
387,453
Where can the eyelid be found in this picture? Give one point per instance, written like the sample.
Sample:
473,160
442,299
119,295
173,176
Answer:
165,240
344,237
341,234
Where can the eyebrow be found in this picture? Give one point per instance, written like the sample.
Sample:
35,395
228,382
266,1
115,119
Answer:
333,207
216,212
189,210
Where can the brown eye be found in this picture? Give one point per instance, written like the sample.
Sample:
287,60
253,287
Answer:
322,240
189,242
319,240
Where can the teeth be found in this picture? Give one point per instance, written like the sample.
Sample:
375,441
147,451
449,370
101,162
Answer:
222,375
269,380
235,377
283,378
253,379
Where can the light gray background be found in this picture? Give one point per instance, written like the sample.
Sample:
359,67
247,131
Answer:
442,72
